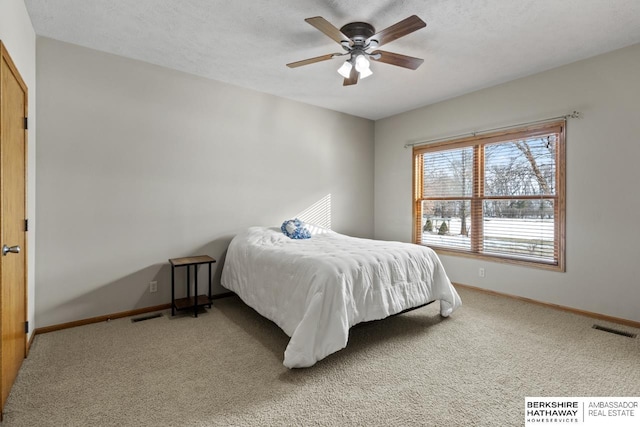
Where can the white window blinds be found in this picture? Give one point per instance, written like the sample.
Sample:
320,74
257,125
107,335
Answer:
499,195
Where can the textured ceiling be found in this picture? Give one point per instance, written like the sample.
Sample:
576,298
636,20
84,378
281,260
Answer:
467,44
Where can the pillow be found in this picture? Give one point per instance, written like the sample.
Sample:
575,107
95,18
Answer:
295,229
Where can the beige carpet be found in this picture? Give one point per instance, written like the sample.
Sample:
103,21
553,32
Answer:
225,368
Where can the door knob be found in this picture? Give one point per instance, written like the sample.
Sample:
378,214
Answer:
13,249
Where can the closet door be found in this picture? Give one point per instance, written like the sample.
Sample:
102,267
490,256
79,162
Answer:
13,265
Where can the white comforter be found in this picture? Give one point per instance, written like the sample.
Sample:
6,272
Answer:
316,289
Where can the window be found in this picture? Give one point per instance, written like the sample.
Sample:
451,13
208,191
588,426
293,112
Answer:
498,195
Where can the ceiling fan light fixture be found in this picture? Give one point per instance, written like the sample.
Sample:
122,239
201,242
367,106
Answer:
362,66
345,69
365,73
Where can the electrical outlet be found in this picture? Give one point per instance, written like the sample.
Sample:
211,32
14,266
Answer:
481,272
153,286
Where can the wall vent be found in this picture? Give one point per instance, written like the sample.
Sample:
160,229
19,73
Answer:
150,316
614,331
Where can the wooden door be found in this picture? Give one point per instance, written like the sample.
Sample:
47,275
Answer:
13,265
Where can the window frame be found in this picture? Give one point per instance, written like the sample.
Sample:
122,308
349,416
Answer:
478,197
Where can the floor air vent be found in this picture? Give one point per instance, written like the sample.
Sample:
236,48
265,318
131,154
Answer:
151,316
614,331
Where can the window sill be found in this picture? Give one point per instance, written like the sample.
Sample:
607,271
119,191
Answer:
504,260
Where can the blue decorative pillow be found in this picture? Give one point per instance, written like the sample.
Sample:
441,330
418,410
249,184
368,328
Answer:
295,229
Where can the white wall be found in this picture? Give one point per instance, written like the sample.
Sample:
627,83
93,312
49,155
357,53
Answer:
603,148
18,36
138,164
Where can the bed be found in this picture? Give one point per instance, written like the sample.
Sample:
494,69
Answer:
316,289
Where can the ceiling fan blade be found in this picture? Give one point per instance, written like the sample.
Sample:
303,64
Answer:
397,30
310,60
328,29
397,59
353,77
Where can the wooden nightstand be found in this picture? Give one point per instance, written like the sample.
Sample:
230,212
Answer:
196,301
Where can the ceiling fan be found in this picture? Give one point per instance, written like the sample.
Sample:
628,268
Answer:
357,38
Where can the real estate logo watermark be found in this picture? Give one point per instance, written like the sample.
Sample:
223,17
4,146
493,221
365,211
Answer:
582,411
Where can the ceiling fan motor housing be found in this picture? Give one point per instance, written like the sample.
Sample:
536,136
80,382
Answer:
359,32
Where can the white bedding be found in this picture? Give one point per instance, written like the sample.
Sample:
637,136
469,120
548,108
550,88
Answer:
316,289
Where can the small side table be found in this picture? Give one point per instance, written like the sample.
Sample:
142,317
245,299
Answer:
198,300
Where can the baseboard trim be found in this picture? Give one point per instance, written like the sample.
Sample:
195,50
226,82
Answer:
29,343
112,316
591,314
98,319
223,295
